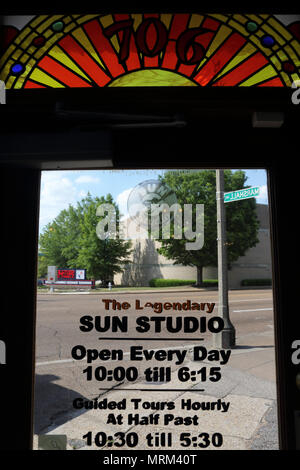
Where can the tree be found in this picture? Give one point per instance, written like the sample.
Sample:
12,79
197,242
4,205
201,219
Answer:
101,258
199,187
71,241
59,241
42,266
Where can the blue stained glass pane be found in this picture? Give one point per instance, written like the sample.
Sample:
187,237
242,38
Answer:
17,68
268,41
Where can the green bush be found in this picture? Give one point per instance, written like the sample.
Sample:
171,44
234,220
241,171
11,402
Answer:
179,282
210,283
256,282
169,282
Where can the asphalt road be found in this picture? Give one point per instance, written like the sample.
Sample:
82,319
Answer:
59,378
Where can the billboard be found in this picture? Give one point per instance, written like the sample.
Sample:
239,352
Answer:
71,274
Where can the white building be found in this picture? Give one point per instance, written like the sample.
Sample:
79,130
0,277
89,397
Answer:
148,264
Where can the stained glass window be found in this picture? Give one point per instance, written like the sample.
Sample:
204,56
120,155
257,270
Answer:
119,50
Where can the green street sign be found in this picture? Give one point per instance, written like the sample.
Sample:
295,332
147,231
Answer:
241,194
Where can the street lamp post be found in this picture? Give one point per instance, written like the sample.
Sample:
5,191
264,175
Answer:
226,338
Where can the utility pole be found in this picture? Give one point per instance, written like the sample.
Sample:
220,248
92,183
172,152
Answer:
226,338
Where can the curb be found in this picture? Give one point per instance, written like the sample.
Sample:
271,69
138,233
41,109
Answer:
150,291
205,289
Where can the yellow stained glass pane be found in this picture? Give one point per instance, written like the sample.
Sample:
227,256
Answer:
17,53
295,76
266,51
8,53
247,51
219,38
20,81
23,34
67,19
278,27
222,18
195,21
264,17
38,20
138,18
57,53
70,27
28,40
260,33
24,58
46,24
282,55
263,74
106,21
290,51
10,82
286,78
49,33
86,18
84,41
276,62
6,69
43,78
30,63
279,39
238,27
152,77
73,25
255,18
240,18
296,46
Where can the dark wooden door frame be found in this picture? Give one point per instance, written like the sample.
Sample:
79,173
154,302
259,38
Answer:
40,139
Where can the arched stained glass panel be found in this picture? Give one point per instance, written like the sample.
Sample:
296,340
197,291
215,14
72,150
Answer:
119,50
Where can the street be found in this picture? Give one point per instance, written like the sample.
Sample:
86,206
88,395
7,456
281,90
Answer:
59,375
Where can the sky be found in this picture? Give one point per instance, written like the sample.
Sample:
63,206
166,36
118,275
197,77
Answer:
61,188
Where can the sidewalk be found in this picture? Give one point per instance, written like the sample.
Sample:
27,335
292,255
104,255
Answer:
247,388
131,290
156,290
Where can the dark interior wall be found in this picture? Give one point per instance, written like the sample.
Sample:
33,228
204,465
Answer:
19,191
269,148
35,134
